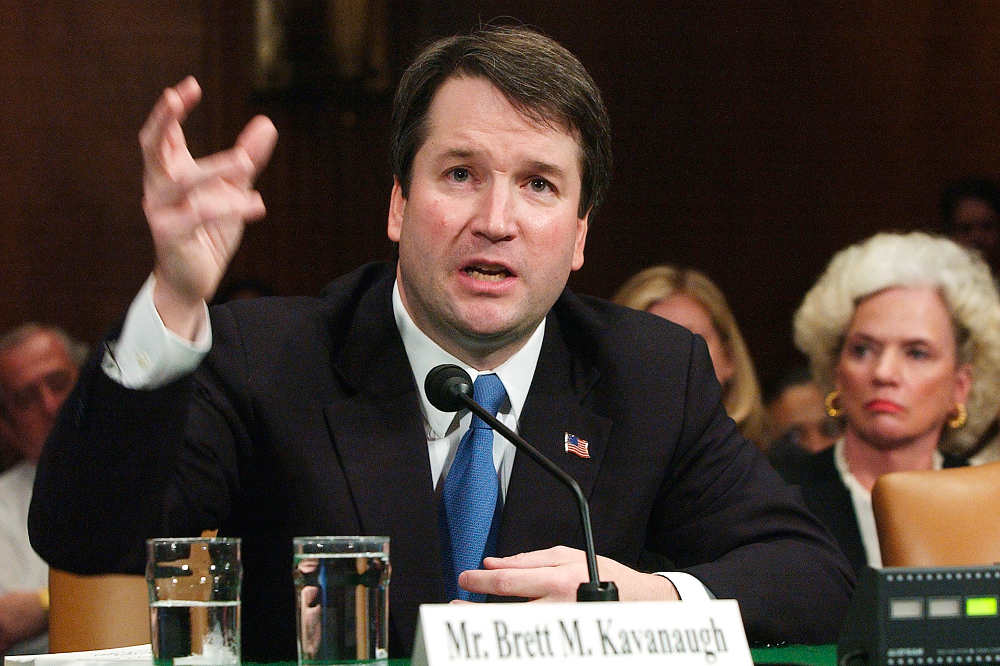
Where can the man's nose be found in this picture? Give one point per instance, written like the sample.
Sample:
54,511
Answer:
495,217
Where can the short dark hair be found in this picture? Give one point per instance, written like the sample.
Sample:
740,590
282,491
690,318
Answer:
538,76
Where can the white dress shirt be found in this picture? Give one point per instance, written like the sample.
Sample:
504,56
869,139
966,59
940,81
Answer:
445,429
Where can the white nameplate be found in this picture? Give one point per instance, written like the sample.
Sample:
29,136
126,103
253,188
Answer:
609,632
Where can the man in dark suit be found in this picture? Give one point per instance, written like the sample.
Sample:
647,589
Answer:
309,415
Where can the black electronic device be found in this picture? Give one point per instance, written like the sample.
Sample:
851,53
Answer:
903,616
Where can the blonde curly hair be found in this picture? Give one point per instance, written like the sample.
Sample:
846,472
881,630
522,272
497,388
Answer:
908,260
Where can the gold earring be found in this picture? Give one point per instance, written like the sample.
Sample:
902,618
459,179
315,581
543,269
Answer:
960,418
832,409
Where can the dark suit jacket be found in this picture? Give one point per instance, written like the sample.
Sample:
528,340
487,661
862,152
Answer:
827,496
305,419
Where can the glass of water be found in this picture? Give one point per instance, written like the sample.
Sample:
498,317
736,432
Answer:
341,598
194,600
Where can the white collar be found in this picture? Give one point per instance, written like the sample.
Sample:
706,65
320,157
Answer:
424,354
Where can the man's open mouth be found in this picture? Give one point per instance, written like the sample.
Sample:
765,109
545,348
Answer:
487,273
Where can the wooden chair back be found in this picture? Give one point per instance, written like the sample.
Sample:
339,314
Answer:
948,517
96,612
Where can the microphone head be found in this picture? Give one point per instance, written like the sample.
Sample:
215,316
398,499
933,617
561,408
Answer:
445,385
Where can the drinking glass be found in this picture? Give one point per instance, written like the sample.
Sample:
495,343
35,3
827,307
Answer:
342,598
194,600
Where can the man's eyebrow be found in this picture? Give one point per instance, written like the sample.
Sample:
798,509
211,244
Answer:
457,153
540,167
546,168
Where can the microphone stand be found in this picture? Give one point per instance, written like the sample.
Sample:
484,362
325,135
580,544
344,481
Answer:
594,589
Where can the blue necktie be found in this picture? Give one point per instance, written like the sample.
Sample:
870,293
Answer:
470,498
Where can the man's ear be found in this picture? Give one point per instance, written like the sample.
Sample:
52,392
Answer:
397,206
582,224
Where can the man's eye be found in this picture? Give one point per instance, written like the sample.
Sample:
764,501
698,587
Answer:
460,174
539,185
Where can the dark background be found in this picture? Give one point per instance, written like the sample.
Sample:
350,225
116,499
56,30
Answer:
752,139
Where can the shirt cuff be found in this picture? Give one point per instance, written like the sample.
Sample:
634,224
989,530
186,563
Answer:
688,587
148,355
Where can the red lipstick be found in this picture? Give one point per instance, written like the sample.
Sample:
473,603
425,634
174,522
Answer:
883,406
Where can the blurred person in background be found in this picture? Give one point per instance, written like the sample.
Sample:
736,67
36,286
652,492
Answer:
970,215
689,298
798,424
903,330
38,368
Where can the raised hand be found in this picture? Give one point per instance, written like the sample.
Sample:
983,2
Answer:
196,208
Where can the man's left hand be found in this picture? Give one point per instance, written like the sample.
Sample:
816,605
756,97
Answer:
554,574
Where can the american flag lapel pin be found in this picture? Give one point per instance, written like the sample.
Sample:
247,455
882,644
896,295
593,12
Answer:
577,446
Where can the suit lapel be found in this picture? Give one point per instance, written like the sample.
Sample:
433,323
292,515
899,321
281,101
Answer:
379,438
538,510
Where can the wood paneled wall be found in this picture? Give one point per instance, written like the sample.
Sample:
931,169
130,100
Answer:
752,140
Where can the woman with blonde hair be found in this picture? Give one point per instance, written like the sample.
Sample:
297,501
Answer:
903,330
687,297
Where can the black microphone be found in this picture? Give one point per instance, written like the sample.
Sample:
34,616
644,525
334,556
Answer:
449,388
